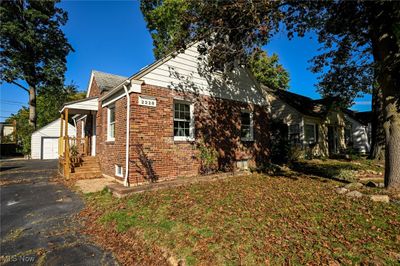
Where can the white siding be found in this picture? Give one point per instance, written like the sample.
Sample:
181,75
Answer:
187,73
359,135
50,130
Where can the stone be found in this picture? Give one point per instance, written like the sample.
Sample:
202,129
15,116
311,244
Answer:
380,198
354,185
354,194
372,184
341,190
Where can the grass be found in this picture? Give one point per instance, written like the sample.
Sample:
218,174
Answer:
255,219
336,169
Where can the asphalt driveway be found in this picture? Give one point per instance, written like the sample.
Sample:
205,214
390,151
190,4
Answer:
37,226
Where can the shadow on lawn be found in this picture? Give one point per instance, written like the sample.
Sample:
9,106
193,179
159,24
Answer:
330,171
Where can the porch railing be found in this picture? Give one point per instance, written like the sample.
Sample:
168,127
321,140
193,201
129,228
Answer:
70,150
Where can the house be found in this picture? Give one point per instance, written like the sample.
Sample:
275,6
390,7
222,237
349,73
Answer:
8,132
317,126
358,130
149,126
45,141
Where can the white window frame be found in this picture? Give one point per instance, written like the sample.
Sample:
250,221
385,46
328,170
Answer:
83,128
315,133
119,171
251,138
109,137
191,123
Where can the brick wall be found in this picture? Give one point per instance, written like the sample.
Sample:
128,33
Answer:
153,150
94,89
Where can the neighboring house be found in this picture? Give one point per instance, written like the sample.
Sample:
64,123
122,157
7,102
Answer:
314,125
358,130
45,141
8,133
148,127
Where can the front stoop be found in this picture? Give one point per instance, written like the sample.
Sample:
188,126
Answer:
119,191
89,169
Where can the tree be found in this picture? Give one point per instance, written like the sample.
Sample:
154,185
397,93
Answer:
267,70
360,45
49,103
33,47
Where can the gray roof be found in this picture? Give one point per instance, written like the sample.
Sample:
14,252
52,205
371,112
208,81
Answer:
107,81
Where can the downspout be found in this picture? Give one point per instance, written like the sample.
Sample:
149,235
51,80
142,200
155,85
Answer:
128,111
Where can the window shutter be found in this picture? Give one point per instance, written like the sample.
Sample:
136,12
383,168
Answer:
316,133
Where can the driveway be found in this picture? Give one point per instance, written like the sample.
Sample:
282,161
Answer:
37,225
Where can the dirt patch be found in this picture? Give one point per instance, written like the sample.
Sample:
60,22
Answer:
93,185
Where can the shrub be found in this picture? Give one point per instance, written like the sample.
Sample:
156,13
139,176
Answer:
208,157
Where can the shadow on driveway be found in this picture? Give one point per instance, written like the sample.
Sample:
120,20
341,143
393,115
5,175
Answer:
37,225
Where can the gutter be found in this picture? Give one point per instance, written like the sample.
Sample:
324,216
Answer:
128,111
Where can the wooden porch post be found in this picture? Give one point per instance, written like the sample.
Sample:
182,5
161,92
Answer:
66,152
61,139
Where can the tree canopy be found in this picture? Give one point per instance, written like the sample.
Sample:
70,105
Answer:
33,47
268,71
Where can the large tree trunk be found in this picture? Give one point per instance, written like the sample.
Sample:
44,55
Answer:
32,106
377,132
385,45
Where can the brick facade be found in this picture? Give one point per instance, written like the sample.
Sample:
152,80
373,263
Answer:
153,152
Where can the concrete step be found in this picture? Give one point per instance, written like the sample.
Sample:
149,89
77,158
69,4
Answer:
85,175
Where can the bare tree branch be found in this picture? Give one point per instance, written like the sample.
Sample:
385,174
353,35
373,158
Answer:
19,85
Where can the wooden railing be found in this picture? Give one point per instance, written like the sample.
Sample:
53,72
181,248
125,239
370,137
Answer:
70,151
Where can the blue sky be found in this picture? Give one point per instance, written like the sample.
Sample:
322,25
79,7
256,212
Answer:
111,36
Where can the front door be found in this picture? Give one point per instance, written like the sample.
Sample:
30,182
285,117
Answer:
332,140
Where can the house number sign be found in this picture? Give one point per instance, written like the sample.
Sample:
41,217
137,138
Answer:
152,102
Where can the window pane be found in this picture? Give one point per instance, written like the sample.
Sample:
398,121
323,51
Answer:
112,115
112,130
309,132
245,118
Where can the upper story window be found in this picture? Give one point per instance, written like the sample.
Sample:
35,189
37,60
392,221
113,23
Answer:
111,123
246,129
183,121
310,133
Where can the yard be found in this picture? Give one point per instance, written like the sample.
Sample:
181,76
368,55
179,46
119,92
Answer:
255,219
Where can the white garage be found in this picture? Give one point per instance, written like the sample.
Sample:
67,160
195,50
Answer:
44,141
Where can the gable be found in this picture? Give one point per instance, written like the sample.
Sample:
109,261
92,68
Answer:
187,72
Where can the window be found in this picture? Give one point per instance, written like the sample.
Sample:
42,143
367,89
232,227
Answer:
119,170
294,134
111,123
183,121
246,129
310,133
348,135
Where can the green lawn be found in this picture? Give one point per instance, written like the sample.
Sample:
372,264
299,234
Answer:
255,219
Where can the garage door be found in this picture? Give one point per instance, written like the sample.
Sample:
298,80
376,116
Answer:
50,148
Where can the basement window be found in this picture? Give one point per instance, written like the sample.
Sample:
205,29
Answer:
119,170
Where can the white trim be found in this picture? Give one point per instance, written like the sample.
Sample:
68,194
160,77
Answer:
191,136
90,84
119,167
83,129
251,125
113,100
109,138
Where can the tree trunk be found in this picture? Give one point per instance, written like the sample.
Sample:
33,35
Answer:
377,132
32,106
385,45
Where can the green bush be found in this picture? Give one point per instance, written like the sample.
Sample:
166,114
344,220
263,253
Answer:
208,157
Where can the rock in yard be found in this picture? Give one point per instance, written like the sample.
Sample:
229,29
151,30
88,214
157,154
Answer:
380,198
354,194
372,184
354,185
341,190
